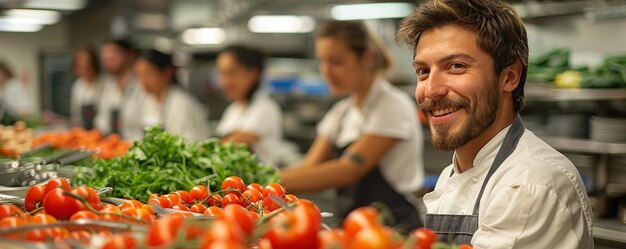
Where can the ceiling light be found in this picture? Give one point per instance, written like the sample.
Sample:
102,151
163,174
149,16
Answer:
204,36
371,11
18,27
281,24
55,4
24,16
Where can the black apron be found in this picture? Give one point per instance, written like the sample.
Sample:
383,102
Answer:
374,188
87,114
460,228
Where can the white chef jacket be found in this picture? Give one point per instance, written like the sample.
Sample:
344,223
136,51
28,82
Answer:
387,112
15,98
536,199
179,113
261,116
84,93
126,102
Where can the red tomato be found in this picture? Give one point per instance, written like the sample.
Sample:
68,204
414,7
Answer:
275,189
34,197
269,204
139,213
255,186
161,201
197,208
234,182
57,182
330,239
180,207
221,230
131,204
46,234
296,228
465,246
163,232
90,195
174,199
231,198
199,192
120,241
109,211
214,200
252,195
290,198
213,211
84,214
81,236
9,210
424,238
153,196
372,237
221,244
185,196
254,215
148,208
40,219
12,222
359,219
239,215
59,205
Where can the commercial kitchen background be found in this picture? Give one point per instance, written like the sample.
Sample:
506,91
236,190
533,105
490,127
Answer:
195,30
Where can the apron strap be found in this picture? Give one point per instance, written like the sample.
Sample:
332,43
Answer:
508,146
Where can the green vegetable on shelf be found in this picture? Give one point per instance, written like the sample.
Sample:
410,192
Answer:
165,162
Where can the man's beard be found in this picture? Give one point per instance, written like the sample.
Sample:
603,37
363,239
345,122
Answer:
479,119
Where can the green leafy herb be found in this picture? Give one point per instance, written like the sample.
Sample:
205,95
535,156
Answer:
165,162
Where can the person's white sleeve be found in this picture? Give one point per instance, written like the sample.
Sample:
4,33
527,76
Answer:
390,119
19,101
329,125
261,119
525,217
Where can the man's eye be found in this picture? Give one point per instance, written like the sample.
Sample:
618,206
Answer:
421,71
457,66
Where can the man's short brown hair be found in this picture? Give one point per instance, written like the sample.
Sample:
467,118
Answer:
500,32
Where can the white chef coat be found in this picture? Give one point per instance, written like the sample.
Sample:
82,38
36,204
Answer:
261,116
536,199
179,113
15,98
84,93
387,112
126,102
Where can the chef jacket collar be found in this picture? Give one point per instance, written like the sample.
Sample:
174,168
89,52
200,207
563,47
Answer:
484,158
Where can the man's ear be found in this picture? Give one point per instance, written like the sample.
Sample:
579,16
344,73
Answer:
510,76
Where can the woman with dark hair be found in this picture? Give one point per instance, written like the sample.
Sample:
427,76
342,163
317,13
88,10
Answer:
13,94
166,102
86,89
369,144
253,118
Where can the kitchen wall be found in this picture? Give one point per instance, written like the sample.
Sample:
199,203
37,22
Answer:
21,51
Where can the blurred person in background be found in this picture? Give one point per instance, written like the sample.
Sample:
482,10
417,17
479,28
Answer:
253,118
15,99
166,102
121,92
369,144
87,88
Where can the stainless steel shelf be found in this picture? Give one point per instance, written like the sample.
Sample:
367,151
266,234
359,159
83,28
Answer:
546,93
609,229
585,146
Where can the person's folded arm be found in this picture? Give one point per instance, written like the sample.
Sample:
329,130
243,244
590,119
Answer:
358,159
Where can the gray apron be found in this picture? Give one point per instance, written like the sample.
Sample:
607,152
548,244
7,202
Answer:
374,188
460,228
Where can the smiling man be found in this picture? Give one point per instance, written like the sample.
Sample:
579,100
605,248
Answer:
506,188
